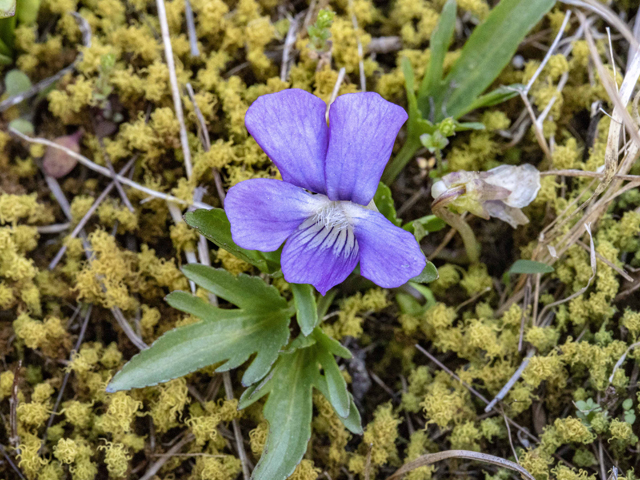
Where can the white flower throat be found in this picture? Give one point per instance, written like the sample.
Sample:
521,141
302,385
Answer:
330,228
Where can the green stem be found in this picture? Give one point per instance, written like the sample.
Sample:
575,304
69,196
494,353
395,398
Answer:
400,161
468,237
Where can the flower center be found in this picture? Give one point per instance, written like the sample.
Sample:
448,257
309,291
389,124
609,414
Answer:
332,215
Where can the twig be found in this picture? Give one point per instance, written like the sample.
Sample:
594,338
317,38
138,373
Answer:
153,469
609,16
627,292
384,45
354,20
367,464
121,192
14,439
88,215
228,388
549,52
289,41
191,29
336,88
506,423
620,271
620,114
583,289
173,79
105,171
621,360
65,380
445,241
512,381
10,462
431,458
85,29
206,142
473,299
603,469
55,228
472,390
383,385
126,328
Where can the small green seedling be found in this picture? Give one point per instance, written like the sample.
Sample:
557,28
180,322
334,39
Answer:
587,410
319,32
629,415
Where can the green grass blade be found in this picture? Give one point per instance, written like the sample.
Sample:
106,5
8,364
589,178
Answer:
488,50
438,46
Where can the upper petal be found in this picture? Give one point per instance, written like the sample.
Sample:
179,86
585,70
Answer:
291,128
363,128
389,256
264,212
323,256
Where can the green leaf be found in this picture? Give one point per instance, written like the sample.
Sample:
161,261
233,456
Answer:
410,87
325,302
529,267
494,97
289,407
215,226
384,202
627,404
439,44
424,225
22,125
629,417
429,274
7,35
244,291
226,335
16,82
409,305
306,308
27,11
223,335
487,51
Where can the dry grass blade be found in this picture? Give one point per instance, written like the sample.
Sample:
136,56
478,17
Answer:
289,41
431,458
621,360
65,380
10,462
620,114
512,381
228,389
592,261
153,469
87,216
609,16
173,79
354,20
105,171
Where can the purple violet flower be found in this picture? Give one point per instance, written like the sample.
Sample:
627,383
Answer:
323,208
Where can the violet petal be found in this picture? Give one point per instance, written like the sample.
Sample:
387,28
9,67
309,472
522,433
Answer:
322,256
363,128
264,212
389,256
290,127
